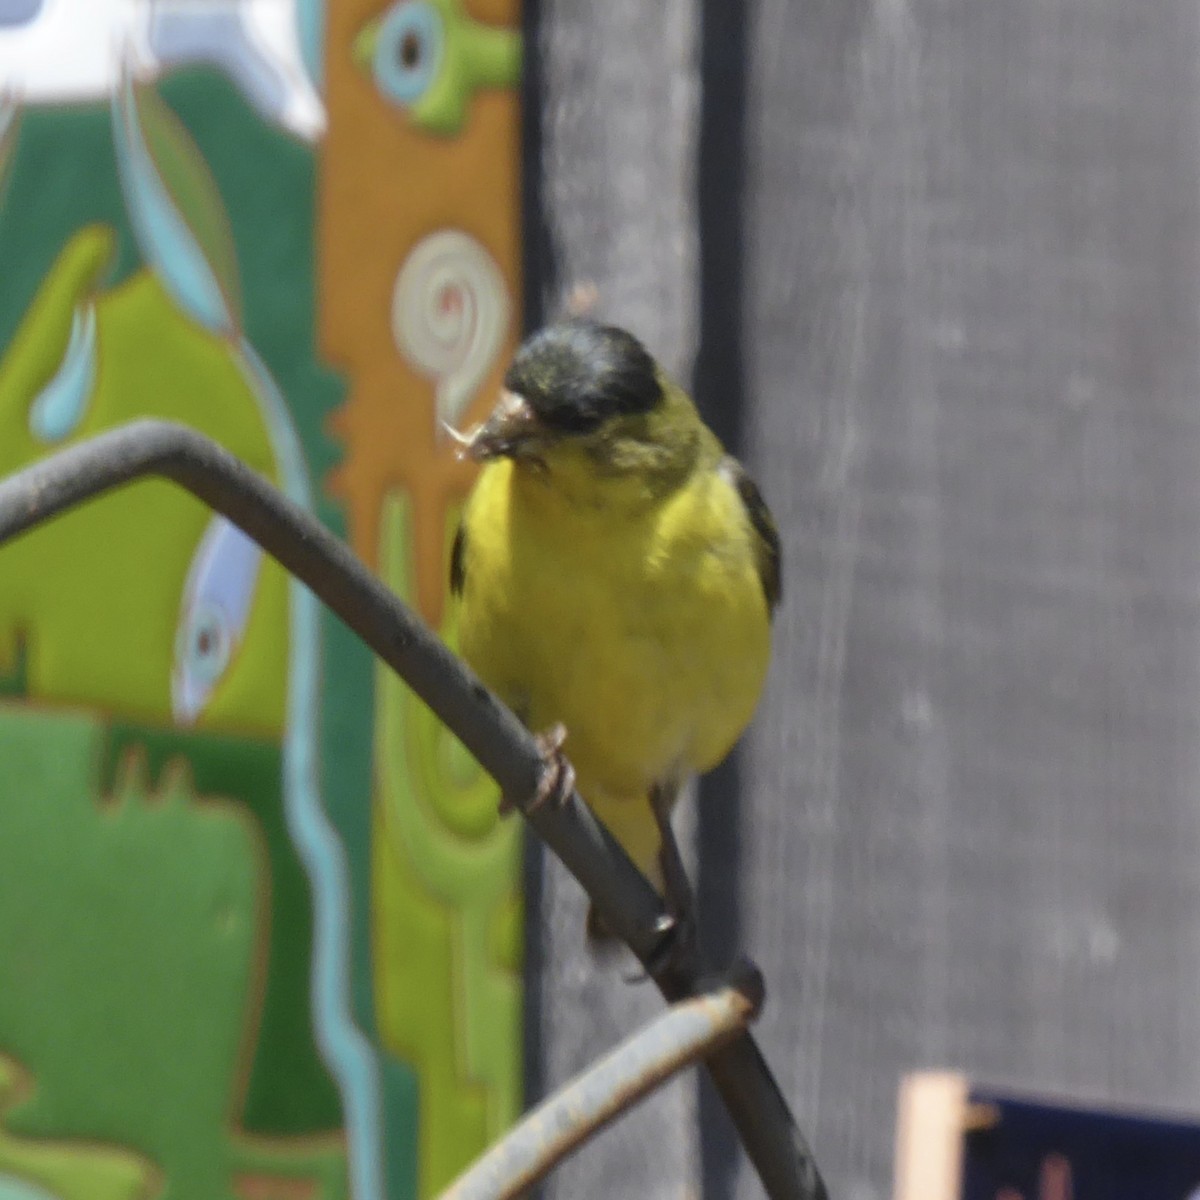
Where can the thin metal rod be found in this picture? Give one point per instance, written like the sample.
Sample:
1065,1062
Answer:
503,747
686,1032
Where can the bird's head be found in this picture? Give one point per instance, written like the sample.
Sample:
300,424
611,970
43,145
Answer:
586,410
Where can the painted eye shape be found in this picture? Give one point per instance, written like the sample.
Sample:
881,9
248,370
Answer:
217,599
208,644
408,53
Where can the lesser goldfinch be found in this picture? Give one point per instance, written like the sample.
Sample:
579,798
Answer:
617,574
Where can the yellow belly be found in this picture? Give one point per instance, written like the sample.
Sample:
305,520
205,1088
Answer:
647,635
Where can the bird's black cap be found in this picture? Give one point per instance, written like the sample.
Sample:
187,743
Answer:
578,374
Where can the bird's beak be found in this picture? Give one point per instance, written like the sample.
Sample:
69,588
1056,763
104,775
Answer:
512,431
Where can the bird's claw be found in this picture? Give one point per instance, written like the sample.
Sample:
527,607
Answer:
558,776
677,951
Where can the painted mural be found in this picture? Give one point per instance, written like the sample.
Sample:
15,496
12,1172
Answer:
260,924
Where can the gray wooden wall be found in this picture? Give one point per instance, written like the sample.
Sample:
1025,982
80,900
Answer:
968,820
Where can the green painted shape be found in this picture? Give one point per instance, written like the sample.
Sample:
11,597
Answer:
474,56
418,1024
289,1089
37,349
66,586
346,783
74,1171
65,1170
448,872
128,927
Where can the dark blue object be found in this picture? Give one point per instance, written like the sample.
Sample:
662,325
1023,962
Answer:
1043,1151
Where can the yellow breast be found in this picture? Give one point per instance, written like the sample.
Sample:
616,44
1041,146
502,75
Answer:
646,633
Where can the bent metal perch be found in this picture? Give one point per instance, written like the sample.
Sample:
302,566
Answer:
625,900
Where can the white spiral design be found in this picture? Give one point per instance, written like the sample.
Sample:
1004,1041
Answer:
450,312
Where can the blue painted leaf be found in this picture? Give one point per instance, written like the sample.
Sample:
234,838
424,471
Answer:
178,216
215,610
59,407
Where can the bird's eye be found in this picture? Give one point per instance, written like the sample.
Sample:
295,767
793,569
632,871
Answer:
409,51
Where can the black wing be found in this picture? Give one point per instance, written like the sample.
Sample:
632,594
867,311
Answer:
766,542
458,564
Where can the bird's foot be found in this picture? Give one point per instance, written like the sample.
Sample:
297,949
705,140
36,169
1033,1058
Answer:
677,952
678,948
558,776
677,889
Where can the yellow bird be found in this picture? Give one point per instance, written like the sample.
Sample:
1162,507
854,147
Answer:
617,574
